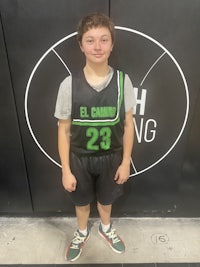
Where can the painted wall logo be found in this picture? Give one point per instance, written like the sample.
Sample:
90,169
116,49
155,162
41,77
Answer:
160,86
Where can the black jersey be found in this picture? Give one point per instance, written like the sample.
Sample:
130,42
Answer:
97,117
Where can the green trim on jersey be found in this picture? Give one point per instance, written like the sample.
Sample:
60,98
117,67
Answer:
107,122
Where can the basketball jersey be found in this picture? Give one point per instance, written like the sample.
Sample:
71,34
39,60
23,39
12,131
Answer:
97,117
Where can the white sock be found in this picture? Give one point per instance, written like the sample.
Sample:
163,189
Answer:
105,227
83,232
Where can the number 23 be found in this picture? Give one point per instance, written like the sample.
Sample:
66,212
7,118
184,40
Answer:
94,134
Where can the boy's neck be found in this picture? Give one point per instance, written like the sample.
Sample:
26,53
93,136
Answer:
96,70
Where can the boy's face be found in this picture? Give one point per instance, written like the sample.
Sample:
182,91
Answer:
97,45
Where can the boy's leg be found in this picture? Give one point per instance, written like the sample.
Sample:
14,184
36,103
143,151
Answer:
104,212
82,214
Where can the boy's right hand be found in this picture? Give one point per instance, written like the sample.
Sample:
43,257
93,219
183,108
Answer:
69,182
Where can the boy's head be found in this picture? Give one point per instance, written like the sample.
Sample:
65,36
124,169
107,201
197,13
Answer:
95,20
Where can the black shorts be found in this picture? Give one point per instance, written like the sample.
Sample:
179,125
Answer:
95,177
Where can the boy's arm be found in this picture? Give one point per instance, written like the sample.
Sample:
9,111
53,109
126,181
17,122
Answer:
68,179
123,171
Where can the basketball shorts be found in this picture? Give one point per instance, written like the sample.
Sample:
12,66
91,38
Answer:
95,178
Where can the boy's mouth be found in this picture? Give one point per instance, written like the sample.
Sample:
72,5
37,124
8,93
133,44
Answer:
98,55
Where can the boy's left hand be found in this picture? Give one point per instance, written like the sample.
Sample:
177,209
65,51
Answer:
122,173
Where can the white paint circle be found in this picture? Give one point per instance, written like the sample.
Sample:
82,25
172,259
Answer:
122,29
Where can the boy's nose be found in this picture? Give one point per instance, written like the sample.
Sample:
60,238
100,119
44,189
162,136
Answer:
97,45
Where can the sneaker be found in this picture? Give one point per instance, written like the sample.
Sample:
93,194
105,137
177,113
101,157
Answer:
75,247
114,241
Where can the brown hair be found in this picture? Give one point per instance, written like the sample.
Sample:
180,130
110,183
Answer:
95,20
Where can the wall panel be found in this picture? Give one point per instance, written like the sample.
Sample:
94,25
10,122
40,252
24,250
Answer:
31,28
163,45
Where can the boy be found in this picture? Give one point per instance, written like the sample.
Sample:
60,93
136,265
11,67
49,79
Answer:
95,132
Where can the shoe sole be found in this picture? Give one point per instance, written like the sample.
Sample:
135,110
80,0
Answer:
108,241
79,252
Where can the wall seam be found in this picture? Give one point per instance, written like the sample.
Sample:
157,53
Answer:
16,110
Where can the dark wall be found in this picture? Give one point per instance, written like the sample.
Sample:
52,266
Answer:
158,48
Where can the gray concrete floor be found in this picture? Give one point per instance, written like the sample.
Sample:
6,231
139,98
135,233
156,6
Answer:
148,240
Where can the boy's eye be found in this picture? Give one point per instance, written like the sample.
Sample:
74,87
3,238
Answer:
89,41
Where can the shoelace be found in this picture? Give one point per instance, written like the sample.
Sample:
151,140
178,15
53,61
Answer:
77,241
113,235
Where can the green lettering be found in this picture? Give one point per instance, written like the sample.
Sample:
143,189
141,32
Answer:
103,112
83,112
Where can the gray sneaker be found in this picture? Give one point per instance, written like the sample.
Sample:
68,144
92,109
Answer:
114,241
75,247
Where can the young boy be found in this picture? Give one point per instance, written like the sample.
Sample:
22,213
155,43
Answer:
95,133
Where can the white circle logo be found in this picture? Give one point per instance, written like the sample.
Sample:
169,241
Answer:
160,86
